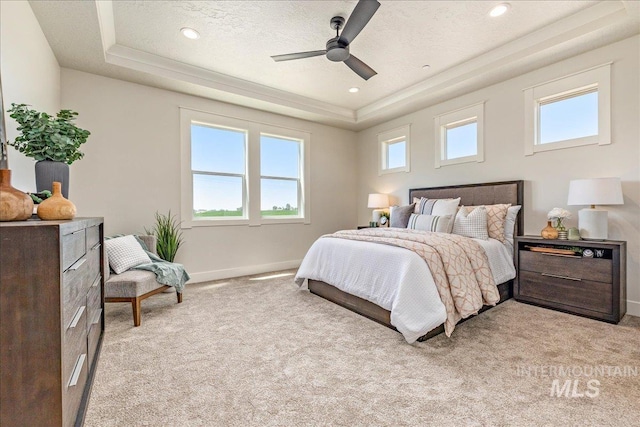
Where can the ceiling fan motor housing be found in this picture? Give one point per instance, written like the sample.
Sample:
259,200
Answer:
337,51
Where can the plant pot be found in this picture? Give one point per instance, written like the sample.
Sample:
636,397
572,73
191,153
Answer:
14,204
48,172
56,207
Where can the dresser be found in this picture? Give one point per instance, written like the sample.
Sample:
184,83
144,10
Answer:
51,319
581,277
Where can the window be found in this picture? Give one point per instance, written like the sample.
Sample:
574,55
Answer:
569,112
459,136
218,167
237,172
280,183
394,150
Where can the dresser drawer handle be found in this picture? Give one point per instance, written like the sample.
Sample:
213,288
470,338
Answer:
96,282
96,246
562,277
77,316
75,376
77,265
97,317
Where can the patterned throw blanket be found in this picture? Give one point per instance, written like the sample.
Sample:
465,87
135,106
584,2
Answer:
459,266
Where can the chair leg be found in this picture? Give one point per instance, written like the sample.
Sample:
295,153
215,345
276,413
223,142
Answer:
179,297
135,303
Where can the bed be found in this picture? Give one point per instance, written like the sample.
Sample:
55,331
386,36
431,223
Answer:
507,192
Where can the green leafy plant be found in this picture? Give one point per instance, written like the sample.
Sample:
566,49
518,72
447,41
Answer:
40,197
168,235
46,137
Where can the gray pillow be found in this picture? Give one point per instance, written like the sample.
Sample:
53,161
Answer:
400,215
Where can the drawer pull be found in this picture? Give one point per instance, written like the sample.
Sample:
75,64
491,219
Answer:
97,317
96,282
562,277
96,246
75,376
78,264
76,317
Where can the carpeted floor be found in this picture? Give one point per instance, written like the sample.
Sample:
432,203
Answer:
247,352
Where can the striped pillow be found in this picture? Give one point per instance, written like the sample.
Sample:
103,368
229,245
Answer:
437,207
472,224
439,224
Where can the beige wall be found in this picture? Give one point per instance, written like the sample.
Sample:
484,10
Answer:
30,75
547,174
132,169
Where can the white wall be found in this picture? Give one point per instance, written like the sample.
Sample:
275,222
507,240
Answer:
547,174
30,75
131,169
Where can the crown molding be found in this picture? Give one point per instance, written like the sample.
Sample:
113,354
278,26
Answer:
246,93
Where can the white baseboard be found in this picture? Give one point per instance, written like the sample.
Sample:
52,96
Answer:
206,276
633,308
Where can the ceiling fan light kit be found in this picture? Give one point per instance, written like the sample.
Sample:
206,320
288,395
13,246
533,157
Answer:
337,48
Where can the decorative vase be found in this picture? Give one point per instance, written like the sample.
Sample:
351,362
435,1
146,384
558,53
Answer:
14,204
549,232
48,172
563,235
56,206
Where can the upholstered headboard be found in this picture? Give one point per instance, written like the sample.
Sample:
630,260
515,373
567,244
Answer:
489,193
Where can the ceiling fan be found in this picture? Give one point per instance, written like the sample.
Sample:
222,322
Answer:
338,47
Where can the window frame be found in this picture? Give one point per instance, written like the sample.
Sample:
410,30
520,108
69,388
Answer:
593,79
460,117
388,138
251,188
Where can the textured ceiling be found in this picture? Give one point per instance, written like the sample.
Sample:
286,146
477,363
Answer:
238,38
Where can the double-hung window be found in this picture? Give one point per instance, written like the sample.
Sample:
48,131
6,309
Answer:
459,136
394,150
238,172
568,112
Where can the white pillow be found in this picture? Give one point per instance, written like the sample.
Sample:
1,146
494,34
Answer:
510,222
435,223
438,207
124,253
472,224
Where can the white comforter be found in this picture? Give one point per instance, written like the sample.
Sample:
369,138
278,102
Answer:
394,278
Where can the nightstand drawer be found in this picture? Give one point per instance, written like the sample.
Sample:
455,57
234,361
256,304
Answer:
594,269
584,294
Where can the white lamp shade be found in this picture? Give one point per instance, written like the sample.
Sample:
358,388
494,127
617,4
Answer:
595,191
377,201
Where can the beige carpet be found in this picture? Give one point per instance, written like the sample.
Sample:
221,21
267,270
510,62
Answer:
263,353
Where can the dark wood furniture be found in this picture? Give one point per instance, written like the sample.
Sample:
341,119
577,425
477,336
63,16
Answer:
51,319
470,195
594,287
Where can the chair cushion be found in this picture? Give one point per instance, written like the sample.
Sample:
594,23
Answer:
130,284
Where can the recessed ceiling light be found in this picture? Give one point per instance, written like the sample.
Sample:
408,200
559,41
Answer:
354,89
426,67
499,10
190,33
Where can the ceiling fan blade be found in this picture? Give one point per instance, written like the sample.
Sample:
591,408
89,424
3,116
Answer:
299,55
360,68
364,10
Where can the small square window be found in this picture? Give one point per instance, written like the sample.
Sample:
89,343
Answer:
394,150
567,118
459,136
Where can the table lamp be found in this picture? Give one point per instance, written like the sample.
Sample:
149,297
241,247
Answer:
378,202
592,222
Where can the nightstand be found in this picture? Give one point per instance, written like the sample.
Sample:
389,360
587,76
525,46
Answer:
584,277
360,227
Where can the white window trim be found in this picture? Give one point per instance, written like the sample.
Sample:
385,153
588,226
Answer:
386,138
573,84
252,172
469,114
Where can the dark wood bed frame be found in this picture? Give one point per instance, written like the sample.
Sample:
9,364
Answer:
471,194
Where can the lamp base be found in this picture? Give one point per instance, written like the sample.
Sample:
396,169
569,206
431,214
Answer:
593,224
377,214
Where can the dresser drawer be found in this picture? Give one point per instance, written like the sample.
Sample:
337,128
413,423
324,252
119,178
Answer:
77,280
594,269
583,294
94,303
93,236
93,337
74,246
75,346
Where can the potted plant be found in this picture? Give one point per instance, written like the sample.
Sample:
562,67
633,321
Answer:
54,142
168,236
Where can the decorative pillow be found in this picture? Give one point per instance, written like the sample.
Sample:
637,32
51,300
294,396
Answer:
400,215
496,215
124,253
438,207
439,224
472,224
510,222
